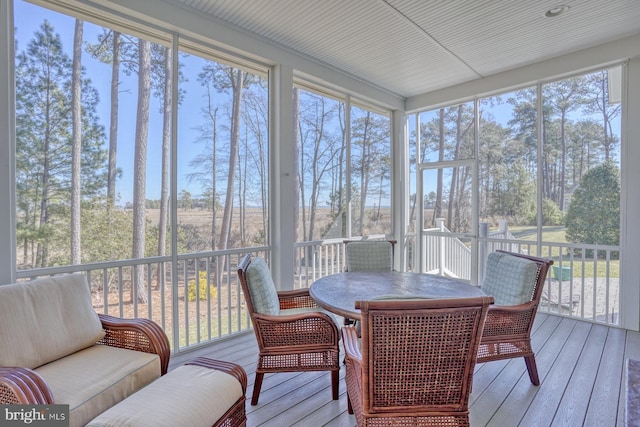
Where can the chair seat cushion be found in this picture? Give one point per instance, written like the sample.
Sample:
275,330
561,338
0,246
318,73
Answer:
189,395
94,379
509,279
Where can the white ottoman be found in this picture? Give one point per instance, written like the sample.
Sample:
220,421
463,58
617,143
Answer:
203,392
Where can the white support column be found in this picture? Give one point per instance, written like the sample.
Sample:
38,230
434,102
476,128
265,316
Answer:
7,146
630,226
282,177
400,190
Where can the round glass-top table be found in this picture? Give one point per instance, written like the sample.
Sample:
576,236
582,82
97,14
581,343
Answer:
338,293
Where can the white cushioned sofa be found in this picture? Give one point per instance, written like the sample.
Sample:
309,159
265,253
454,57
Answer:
54,348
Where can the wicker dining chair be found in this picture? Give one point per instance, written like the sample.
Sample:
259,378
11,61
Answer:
415,364
293,333
516,282
369,255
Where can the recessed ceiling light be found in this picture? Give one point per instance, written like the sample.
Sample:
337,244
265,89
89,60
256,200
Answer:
556,11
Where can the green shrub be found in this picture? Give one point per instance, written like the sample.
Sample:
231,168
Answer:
593,216
551,213
203,280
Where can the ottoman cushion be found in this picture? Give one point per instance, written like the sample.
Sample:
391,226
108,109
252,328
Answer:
189,395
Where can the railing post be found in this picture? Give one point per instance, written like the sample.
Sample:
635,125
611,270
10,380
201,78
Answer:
482,249
502,226
441,244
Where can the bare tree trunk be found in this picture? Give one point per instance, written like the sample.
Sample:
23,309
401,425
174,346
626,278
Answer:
437,211
296,162
315,168
242,191
76,144
166,139
563,159
42,251
225,232
341,173
364,174
140,165
454,173
214,159
113,126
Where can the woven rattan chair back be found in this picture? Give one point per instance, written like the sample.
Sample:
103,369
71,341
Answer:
304,339
507,330
416,363
369,255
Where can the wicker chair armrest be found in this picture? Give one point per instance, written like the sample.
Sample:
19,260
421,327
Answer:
137,334
351,343
295,299
293,330
513,308
354,377
23,386
227,367
509,320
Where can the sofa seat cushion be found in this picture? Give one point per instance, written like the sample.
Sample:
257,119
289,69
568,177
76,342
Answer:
94,379
46,319
189,395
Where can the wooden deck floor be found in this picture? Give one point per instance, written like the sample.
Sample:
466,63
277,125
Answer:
581,367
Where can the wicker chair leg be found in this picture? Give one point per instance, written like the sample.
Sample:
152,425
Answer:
532,369
335,384
257,385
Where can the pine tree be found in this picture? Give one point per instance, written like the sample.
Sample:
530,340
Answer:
43,146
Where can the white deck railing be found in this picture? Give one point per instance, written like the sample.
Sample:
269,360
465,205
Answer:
583,283
216,308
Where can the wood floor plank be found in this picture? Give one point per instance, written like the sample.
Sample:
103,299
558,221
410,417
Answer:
558,378
493,372
502,383
580,365
328,414
516,404
308,403
288,394
603,402
575,400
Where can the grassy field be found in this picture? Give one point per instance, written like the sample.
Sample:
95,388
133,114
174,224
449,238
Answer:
556,234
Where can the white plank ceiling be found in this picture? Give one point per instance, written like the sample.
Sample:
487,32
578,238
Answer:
410,47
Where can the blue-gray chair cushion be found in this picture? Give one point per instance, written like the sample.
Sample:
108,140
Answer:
369,256
509,279
264,295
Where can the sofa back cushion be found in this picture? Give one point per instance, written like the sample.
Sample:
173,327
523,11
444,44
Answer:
46,319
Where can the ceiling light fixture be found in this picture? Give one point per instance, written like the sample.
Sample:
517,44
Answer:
556,11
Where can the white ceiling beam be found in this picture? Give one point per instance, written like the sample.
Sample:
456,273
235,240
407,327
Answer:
602,55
